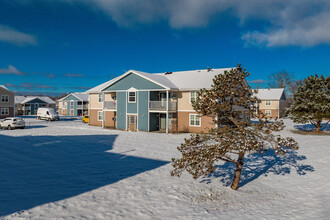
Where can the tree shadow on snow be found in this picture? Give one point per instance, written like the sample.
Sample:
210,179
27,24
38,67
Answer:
310,127
257,164
40,169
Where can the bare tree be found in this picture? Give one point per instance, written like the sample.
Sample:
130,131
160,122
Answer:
281,79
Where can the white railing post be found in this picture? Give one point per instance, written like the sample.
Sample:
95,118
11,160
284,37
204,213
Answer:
166,112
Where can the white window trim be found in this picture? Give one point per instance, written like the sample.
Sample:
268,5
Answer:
71,110
3,113
71,103
100,97
190,96
269,103
270,112
98,118
129,96
5,96
63,110
200,121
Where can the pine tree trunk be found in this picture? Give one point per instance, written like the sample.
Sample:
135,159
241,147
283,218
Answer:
318,125
238,171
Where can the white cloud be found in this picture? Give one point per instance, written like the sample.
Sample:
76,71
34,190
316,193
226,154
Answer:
13,36
11,70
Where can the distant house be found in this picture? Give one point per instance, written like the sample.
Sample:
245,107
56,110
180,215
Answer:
28,105
74,104
139,101
7,105
273,102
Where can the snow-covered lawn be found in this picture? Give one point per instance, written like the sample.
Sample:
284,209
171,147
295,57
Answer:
69,170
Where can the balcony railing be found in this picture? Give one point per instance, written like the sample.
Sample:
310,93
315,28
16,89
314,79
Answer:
161,105
110,105
26,108
82,106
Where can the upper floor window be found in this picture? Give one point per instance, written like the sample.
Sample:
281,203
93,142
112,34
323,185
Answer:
131,96
268,112
193,97
5,98
267,102
71,103
100,97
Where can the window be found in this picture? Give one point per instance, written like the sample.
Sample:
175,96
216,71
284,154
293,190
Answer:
5,111
5,98
267,102
71,112
193,97
268,112
100,116
100,97
194,120
131,96
71,103
62,110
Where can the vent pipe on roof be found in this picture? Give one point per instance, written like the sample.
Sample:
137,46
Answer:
168,73
208,69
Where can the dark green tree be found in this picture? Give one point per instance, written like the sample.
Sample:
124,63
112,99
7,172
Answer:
311,102
230,103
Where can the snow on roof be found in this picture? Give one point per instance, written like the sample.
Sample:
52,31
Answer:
23,99
182,80
269,94
194,79
80,95
4,87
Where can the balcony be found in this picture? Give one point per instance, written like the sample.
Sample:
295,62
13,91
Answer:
161,106
110,105
26,108
82,106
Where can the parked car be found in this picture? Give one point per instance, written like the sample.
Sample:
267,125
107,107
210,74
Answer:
85,119
12,123
48,114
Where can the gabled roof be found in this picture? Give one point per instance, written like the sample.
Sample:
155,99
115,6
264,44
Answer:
25,99
83,96
270,94
182,80
5,88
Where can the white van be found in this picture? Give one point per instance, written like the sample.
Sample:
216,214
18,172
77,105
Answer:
47,114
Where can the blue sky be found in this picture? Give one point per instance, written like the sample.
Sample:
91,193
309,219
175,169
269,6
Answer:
72,45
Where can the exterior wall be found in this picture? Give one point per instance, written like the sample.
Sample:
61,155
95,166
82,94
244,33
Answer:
94,101
183,123
93,118
274,112
109,96
184,101
121,110
274,104
10,104
108,119
143,110
11,112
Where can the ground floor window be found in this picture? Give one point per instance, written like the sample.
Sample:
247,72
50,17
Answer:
194,120
99,115
5,111
71,112
268,112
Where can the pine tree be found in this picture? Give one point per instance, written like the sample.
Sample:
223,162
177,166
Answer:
312,102
230,103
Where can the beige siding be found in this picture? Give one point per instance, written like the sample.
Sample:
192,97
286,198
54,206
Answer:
274,104
11,101
93,118
94,101
183,123
60,104
108,120
109,96
184,101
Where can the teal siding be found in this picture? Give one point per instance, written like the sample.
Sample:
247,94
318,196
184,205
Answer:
154,121
71,97
133,80
143,111
132,107
32,104
121,110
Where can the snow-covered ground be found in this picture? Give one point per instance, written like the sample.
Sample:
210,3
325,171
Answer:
69,170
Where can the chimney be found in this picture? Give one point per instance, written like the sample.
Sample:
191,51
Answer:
208,69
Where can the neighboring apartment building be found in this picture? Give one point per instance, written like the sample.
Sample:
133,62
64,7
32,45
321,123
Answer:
74,104
28,105
272,102
139,101
7,105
